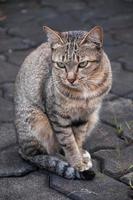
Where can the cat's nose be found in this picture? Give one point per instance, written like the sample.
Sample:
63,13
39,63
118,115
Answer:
71,77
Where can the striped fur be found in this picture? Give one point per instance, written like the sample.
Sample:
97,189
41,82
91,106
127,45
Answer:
58,94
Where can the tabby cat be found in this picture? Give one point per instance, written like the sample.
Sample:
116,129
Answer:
58,94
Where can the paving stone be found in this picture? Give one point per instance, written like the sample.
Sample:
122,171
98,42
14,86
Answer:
130,193
31,187
94,10
121,109
128,132
17,57
1,92
103,137
95,165
130,95
128,179
6,110
71,5
109,40
29,11
31,30
119,52
2,32
58,24
122,80
128,64
110,97
15,12
116,162
46,11
65,6
119,113
7,135
8,90
123,35
127,61
9,44
2,57
115,52
11,164
102,187
8,72
118,21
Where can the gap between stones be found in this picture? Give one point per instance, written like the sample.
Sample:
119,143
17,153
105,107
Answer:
57,188
102,164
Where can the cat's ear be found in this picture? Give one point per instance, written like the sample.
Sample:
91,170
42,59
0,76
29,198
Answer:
94,35
53,36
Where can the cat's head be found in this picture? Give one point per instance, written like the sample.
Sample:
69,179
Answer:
76,55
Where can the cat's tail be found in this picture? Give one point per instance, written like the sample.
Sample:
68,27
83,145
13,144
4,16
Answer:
58,166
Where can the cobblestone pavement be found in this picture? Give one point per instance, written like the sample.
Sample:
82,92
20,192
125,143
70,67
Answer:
111,142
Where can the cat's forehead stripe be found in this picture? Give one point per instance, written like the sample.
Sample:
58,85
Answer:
71,46
70,53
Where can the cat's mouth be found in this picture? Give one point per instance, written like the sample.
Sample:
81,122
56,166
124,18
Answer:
72,85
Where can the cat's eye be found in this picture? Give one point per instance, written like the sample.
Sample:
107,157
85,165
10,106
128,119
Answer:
60,64
87,63
83,64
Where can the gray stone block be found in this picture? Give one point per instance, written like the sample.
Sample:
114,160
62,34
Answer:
1,92
130,95
11,164
122,80
127,61
115,52
6,110
103,137
8,72
123,35
119,21
110,97
34,186
8,91
63,5
102,187
17,57
116,162
119,113
9,44
128,179
7,135
121,108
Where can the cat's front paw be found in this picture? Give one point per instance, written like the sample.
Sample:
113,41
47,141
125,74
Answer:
77,163
81,166
87,159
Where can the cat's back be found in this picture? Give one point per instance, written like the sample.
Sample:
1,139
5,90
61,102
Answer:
33,72
37,60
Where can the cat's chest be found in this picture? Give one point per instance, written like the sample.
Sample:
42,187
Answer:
68,107
75,109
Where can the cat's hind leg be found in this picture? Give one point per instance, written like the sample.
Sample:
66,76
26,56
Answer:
35,132
39,146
